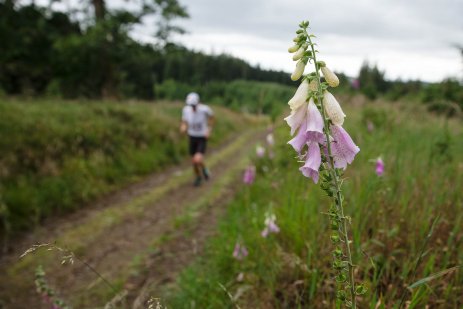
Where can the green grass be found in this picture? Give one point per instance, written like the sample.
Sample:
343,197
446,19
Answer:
391,218
55,155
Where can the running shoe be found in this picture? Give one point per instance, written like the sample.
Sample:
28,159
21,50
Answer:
206,173
197,182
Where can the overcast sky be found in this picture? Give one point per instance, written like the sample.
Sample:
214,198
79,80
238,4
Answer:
407,39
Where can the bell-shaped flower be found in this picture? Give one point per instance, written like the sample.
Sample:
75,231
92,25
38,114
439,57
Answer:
249,175
296,118
312,162
298,71
260,151
300,96
240,251
379,167
333,109
299,141
293,48
314,129
343,147
270,140
330,77
298,55
270,225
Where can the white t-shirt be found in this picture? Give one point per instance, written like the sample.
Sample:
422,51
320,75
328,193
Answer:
197,120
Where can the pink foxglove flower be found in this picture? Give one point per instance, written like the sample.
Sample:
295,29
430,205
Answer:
260,151
249,175
300,96
314,130
299,141
240,251
296,118
379,167
333,109
270,225
370,126
298,71
342,147
330,77
270,140
312,162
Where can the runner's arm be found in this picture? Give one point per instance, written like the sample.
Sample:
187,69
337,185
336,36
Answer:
183,126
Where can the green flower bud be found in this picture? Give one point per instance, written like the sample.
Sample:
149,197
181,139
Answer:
300,66
293,48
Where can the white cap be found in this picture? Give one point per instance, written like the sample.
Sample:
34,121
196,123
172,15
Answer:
192,98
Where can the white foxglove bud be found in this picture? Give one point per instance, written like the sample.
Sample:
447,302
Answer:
293,48
330,77
298,55
300,96
333,109
300,66
313,85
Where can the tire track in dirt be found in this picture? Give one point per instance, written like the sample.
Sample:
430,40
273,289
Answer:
113,251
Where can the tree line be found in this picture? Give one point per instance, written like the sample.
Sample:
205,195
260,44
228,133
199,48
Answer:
49,52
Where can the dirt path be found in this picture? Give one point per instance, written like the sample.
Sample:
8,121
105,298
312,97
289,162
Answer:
139,238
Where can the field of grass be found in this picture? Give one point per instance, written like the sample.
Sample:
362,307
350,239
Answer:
391,218
57,155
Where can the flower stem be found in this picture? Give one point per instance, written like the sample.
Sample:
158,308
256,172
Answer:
335,177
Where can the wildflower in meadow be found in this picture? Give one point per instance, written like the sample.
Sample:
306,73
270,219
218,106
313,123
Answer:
249,175
370,126
240,251
270,225
343,147
260,151
317,117
379,167
270,140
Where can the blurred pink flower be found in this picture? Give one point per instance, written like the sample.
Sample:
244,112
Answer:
370,126
270,225
240,251
379,167
260,151
270,139
249,175
343,147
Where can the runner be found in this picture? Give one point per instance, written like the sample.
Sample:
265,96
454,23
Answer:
197,122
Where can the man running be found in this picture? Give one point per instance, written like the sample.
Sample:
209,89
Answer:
197,122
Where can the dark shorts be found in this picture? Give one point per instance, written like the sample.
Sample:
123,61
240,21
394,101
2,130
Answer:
197,144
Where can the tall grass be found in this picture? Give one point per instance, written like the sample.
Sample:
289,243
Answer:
393,214
55,156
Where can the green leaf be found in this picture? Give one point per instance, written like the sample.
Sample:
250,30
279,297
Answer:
432,277
360,289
